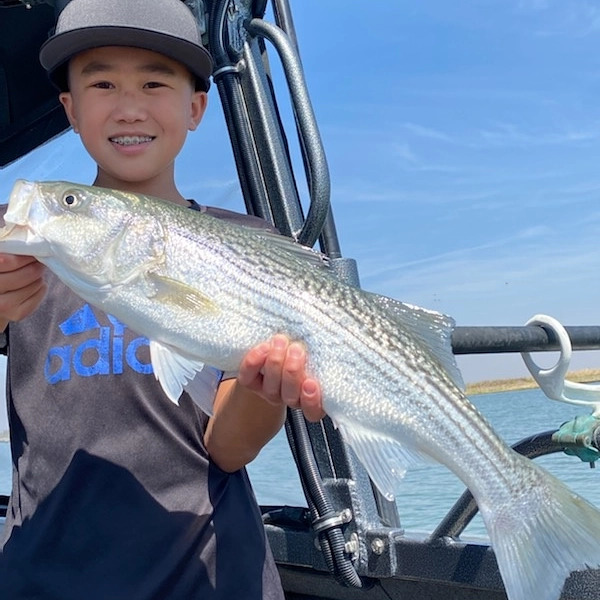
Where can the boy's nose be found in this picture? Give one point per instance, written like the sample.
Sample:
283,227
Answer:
129,107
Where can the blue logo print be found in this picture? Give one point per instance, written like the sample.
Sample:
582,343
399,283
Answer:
103,353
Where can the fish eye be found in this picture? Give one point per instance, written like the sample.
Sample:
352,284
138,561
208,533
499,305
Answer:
70,198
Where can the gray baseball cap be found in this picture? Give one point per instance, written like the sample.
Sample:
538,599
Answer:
164,26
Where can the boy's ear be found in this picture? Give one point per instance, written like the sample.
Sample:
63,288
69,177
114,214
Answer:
198,108
66,99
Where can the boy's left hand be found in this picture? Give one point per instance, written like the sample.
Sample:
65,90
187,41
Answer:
276,371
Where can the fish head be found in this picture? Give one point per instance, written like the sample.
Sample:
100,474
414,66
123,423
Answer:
76,230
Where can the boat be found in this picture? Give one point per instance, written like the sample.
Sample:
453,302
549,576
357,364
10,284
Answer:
348,543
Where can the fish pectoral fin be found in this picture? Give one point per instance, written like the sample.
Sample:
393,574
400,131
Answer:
384,458
170,291
172,369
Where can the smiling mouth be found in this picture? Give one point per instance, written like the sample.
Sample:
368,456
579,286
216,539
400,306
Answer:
131,140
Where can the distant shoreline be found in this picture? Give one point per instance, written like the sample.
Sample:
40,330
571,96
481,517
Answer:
4,436
525,383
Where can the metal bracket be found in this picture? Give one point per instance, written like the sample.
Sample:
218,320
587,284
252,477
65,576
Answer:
331,520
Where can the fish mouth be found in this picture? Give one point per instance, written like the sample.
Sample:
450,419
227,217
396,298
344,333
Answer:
17,235
19,239
19,203
12,232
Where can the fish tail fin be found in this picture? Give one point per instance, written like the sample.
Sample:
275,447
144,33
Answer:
538,543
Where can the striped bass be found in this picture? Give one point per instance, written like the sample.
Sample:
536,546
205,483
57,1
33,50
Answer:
204,291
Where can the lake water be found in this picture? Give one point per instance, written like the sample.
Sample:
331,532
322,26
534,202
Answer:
427,492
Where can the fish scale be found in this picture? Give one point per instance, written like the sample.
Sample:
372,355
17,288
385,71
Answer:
205,291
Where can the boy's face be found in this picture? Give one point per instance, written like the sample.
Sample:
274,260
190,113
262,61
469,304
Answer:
133,109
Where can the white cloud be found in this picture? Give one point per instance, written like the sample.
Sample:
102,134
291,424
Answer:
427,132
511,135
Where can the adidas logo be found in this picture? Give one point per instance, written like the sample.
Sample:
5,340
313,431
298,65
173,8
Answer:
103,353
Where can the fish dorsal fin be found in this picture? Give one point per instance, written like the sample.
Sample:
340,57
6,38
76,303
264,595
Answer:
287,244
431,328
172,369
384,458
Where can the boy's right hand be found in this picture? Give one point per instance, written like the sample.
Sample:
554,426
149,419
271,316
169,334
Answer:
22,287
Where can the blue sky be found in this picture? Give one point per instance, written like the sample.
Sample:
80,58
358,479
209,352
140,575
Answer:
463,140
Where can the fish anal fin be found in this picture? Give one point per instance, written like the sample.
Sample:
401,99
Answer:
384,458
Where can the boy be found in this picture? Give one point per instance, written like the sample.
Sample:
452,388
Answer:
117,492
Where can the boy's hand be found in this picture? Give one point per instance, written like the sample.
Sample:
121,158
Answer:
276,371
22,287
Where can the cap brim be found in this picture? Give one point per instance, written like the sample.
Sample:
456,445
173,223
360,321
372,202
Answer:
56,51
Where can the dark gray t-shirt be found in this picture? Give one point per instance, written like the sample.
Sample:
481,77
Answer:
114,495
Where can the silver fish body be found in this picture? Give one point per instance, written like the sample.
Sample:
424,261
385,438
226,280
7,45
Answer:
204,291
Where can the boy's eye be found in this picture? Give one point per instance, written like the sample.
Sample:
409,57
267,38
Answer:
154,84
103,85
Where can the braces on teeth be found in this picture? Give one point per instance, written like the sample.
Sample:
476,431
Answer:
130,140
